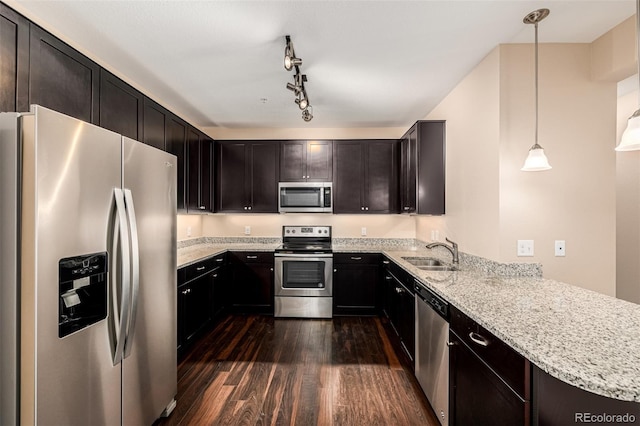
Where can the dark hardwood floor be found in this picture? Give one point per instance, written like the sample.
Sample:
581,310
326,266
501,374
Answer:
259,370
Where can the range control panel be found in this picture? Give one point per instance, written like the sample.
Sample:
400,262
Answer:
306,231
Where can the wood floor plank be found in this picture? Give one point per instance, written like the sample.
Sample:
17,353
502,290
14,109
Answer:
260,370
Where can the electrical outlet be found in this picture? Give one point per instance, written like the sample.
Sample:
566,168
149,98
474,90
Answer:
435,235
560,248
188,231
363,231
525,248
247,230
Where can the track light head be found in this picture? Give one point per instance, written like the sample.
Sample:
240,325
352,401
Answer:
302,100
290,59
294,88
306,114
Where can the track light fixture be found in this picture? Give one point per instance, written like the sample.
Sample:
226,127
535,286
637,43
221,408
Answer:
297,87
290,60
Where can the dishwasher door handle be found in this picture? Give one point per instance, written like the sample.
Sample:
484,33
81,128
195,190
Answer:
476,338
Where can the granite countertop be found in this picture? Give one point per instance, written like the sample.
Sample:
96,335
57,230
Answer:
581,337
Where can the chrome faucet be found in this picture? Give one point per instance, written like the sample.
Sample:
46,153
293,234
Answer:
453,249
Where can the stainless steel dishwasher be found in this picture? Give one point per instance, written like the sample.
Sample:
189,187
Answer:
432,349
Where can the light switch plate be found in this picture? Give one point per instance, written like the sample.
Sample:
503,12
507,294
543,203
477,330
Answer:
525,248
363,231
247,230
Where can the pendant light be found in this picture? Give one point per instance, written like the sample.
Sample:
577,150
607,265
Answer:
536,160
631,137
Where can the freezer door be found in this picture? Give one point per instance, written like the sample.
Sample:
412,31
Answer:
9,168
70,171
150,364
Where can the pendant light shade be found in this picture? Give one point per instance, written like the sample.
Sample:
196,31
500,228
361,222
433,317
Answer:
631,137
536,160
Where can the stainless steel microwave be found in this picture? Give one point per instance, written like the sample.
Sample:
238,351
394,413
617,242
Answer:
305,197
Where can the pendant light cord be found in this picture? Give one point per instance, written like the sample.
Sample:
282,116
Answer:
536,60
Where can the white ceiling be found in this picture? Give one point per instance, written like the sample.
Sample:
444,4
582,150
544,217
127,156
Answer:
368,63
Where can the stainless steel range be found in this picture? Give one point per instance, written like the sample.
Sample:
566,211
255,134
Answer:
304,273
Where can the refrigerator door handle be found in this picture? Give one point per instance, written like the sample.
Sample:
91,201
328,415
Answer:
121,285
135,271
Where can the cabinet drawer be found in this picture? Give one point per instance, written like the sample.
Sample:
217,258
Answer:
358,258
253,257
200,268
512,367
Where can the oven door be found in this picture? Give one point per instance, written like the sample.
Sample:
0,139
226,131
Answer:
309,275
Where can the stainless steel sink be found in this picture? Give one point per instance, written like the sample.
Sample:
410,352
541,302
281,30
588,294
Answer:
428,264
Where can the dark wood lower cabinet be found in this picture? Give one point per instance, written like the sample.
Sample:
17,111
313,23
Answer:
558,403
356,284
251,289
399,305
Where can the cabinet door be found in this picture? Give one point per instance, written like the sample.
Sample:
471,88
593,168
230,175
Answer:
176,145
478,395
197,306
121,106
154,124
408,161
380,182
14,61
406,321
263,169
293,161
61,78
231,177
348,177
355,289
319,160
252,288
199,173
220,282
431,167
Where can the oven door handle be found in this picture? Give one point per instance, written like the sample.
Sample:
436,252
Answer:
308,256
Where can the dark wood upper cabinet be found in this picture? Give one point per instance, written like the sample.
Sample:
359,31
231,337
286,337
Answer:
121,106
422,177
14,61
365,176
306,161
62,79
200,172
247,176
154,124
176,144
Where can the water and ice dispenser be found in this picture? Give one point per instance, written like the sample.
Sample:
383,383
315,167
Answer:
82,284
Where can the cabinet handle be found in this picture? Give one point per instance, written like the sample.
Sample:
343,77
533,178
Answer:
215,275
406,208
252,257
361,208
219,260
399,290
303,176
187,291
200,268
356,258
451,343
249,207
335,270
366,208
476,338
385,262
245,207
388,278
307,176
271,269
202,207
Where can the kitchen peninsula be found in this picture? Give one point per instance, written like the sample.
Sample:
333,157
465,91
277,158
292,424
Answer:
586,340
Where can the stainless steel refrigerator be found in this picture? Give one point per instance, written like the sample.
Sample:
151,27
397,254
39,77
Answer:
88,274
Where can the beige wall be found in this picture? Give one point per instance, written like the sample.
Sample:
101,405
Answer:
491,203
472,163
222,133
575,201
347,226
628,209
189,226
